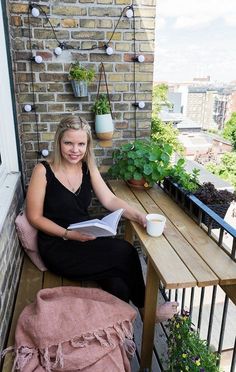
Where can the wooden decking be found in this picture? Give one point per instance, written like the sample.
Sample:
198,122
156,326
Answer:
31,281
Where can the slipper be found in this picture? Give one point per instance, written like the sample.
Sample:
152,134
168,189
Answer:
166,311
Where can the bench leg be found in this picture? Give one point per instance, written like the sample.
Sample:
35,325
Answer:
149,319
129,232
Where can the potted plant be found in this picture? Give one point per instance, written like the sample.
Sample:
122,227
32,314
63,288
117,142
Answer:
217,200
80,76
186,351
145,161
103,119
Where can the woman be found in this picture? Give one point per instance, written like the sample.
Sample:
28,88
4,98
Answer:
59,194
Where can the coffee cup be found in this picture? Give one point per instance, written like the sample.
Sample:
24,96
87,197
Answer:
155,224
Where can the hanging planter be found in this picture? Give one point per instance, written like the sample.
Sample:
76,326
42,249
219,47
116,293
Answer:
103,114
80,77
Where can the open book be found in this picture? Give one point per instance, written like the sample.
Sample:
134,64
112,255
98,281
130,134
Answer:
107,226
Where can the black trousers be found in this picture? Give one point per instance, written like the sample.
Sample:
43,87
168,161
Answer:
113,263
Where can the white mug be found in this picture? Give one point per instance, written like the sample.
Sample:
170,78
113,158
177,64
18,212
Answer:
155,224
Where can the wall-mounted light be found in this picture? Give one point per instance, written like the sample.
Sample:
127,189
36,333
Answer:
129,12
28,108
58,51
109,50
44,153
139,104
37,59
140,58
35,12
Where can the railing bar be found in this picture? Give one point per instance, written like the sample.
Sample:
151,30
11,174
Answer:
191,302
200,308
233,249
221,236
183,298
213,301
176,295
233,363
222,330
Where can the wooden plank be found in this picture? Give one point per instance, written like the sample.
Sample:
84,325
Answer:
30,283
51,280
170,268
219,262
196,265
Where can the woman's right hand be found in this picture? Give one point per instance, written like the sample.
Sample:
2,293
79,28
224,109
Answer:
76,235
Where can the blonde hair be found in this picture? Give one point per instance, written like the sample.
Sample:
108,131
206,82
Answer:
76,123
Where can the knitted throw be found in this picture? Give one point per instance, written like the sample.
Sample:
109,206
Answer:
74,329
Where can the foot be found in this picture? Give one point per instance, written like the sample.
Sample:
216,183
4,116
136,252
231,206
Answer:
166,311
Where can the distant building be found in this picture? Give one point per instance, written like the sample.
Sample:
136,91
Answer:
201,105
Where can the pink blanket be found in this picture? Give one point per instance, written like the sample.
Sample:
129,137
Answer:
74,329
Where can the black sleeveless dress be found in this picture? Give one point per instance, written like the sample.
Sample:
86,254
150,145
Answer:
113,263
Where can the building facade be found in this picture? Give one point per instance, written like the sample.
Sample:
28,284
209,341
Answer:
83,29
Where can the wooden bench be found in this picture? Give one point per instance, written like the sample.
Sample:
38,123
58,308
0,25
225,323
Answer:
184,256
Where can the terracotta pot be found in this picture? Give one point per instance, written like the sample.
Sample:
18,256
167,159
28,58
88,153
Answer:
138,184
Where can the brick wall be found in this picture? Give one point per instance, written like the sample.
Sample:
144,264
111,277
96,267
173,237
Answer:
81,24
10,262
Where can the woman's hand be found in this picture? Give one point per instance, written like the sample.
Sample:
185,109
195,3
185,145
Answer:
141,219
76,235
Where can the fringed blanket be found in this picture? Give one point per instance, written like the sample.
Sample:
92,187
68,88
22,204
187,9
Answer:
74,329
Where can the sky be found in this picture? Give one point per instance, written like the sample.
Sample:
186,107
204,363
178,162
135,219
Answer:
195,38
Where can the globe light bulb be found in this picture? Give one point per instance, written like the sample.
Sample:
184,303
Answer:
129,13
44,153
58,51
141,104
27,108
38,59
35,12
140,58
109,51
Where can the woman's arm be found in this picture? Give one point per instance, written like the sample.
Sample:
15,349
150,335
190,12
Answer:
112,202
34,208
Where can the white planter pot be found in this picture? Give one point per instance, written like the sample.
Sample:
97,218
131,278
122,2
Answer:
80,88
104,126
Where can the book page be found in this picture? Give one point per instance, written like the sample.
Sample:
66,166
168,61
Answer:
113,218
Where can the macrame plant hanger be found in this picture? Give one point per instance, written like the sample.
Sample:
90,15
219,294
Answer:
103,72
104,126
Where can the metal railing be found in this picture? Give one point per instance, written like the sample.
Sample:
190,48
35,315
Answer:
212,312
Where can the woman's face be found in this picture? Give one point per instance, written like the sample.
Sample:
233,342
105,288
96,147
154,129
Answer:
73,145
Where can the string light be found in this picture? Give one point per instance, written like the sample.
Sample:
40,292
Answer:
35,12
44,153
37,59
109,50
129,13
140,58
58,51
139,104
28,108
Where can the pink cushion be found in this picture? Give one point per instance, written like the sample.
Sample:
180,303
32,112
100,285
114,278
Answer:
27,235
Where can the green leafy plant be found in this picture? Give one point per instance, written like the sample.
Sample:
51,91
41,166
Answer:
186,180
142,159
80,73
186,351
101,105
